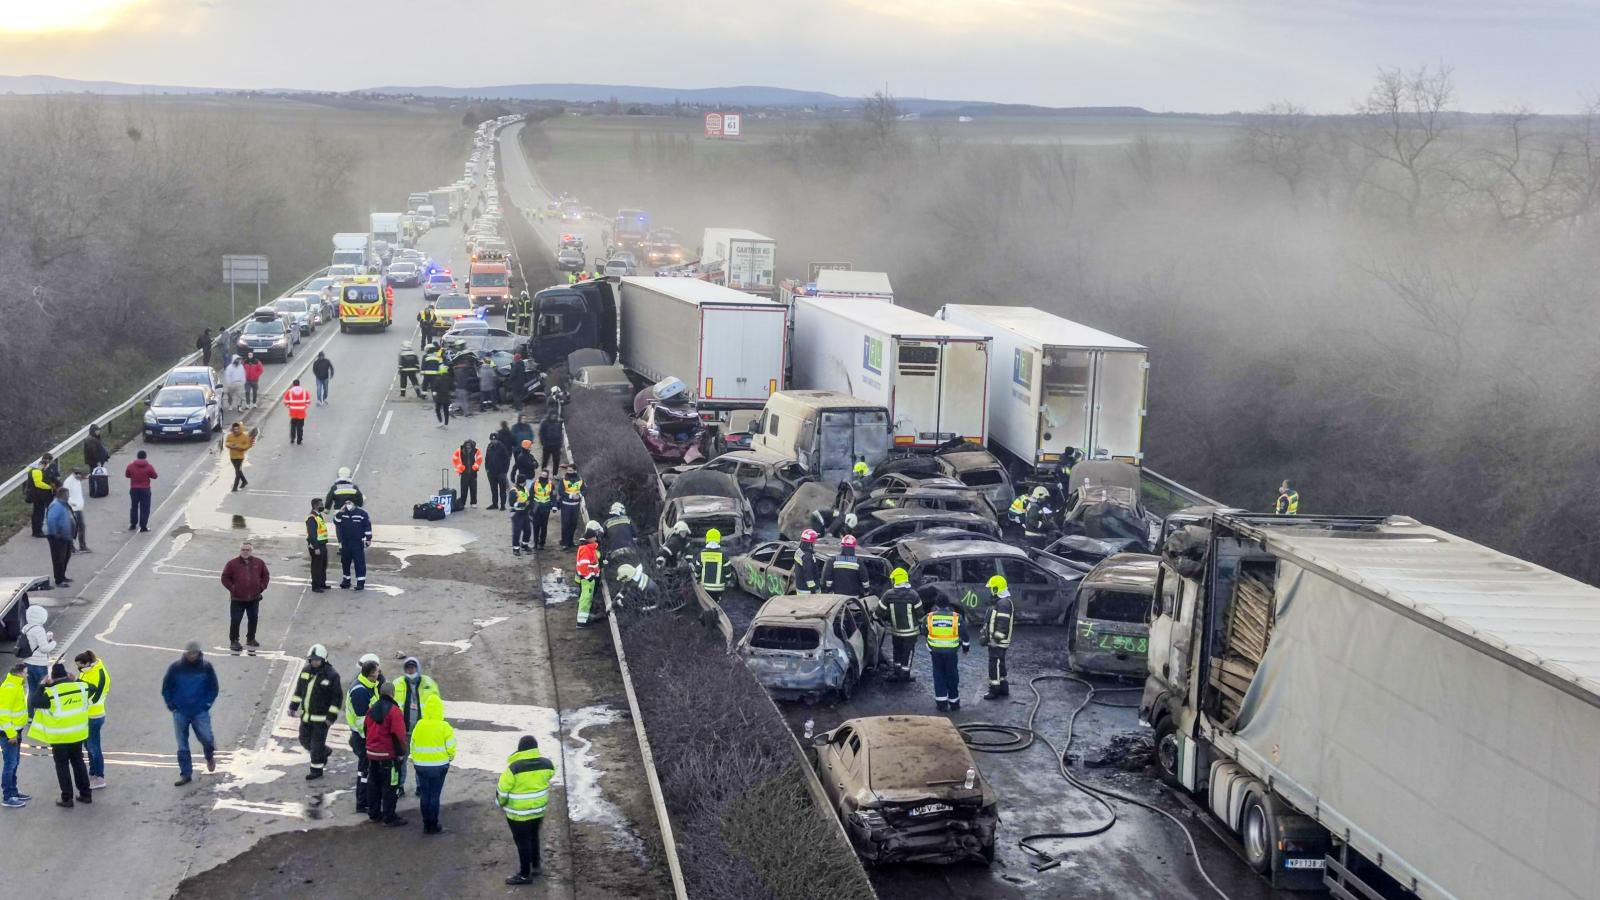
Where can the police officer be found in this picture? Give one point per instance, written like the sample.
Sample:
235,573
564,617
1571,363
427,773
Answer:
357,701
902,609
996,635
354,528
947,633
571,499
844,576
543,495
428,321
1288,500
316,701
343,489
711,571
807,572
521,527
620,536
587,568
317,546
60,707
410,368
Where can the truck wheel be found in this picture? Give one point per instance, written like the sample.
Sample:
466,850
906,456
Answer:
343,328
1166,755
1258,830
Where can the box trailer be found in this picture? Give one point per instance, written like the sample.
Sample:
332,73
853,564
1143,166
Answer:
1379,707
740,259
727,346
932,375
442,201
1056,384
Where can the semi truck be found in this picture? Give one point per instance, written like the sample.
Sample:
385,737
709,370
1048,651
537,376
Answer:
729,348
1379,707
740,259
1056,387
352,248
841,284
443,202
931,375
386,228
567,318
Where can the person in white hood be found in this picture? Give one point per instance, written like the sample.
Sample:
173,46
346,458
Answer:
41,642
233,384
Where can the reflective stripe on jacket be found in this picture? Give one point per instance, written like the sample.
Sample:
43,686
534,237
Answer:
65,718
711,569
298,400
1002,617
99,682
524,788
317,694
433,741
13,706
944,631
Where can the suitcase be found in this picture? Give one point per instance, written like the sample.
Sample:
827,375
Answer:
99,482
447,496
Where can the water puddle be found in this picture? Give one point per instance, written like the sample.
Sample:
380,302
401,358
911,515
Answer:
556,587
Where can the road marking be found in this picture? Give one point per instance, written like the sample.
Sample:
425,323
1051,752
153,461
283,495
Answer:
386,419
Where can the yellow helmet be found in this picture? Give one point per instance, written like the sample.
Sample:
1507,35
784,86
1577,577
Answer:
714,536
997,583
899,576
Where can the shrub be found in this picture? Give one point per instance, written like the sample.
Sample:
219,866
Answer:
614,464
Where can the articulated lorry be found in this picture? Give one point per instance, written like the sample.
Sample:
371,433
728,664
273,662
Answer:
1379,707
728,347
443,202
351,248
740,259
931,375
1056,385
386,228
840,284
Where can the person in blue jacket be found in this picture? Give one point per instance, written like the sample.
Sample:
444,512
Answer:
354,528
189,690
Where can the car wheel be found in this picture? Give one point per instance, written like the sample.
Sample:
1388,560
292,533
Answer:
766,508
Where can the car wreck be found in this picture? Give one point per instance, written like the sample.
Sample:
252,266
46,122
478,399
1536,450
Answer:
807,646
706,500
908,790
1111,620
768,569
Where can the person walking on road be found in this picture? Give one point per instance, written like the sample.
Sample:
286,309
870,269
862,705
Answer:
521,523
410,367
496,464
233,385
77,489
571,500
543,496
444,389
317,546
996,634
246,579
13,721
354,528
411,690
203,343
139,474
468,460
357,702
386,747
524,792
40,643
189,689
58,528
322,371
253,370
239,443
95,453
551,437
317,699
902,607
433,746
41,490
297,400
947,634
343,489
61,719
92,672
587,568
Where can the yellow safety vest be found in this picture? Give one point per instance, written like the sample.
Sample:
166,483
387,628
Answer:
1289,504
711,577
322,528
1018,506
524,788
543,492
573,489
944,631
13,705
97,676
66,719
358,724
426,687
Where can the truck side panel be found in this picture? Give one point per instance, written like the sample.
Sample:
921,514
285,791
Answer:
660,336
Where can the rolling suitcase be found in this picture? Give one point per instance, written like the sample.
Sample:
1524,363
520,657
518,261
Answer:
99,482
447,496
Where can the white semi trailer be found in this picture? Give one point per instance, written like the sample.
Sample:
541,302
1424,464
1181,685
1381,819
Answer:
727,346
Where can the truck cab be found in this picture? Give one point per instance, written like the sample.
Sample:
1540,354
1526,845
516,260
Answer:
580,316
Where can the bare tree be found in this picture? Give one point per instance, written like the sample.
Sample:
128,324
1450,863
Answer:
881,113
1404,118
1280,139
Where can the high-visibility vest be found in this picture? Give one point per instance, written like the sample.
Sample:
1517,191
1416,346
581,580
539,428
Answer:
588,564
298,399
13,705
543,491
426,687
519,499
1289,504
524,788
322,527
433,740
571,491
944,631
66,719
461,465
711,577
97,677
1019,506
358,724
1001,619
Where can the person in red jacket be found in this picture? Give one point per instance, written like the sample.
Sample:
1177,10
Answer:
386,750
252,380
246,578
297,400
139,474
468,459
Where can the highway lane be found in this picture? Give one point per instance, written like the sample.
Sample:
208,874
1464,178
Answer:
449,593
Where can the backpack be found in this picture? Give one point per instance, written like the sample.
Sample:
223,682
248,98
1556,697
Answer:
24,646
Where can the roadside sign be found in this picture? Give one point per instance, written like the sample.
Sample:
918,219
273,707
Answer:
244,269
731,123
826,267
723,125
713,124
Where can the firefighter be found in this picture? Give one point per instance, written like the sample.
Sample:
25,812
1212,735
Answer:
947,634
343,489
996,635
844,576
635,590
571,499
675,547
432,362
1017,515
1288,500
1039,515
316,701
860,472
901,607
524,314
543,491
620,536
711,571
807,572
410,367
588,572
521,525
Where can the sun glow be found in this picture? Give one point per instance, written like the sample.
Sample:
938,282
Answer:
60,16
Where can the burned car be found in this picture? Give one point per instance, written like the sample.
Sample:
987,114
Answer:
768,569
672,433
806,646
767,478
886,526
931,494
977,468
1111,620
707,500
829,510
908,790
1105,506
1042,590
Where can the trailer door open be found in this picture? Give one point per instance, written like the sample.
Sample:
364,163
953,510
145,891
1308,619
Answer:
916,392
963,391
1064,402
1119,404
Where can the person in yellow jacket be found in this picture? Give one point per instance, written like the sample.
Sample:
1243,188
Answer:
92,672
13,720
523,793
433,746
61,719
239,443
411,691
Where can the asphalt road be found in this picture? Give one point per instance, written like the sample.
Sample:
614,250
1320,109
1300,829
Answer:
449,593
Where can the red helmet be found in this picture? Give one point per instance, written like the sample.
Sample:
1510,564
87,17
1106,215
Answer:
848,542
810,536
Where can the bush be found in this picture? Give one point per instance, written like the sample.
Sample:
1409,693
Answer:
614,464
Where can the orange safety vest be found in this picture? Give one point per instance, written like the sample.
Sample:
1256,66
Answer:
298,399
589,561
477,461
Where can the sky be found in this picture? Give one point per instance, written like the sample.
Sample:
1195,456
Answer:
1166,55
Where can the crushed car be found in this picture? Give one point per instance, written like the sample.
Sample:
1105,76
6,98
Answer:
908,790
768,478
1106,506
1111,619
768,569
886,526
707,500
1043,591
807,646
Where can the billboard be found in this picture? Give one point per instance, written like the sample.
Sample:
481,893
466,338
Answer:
713,124
723,125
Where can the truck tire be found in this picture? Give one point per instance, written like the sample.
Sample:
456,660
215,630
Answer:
343,328
1258,832
1166,755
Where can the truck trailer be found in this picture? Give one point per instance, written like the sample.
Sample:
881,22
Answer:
443,202
932,375
1379,707
840,284
729,348
1056,385
740,259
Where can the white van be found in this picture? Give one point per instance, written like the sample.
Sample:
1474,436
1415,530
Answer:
824,431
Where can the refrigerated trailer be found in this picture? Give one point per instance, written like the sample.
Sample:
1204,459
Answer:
1056,384
931,375
740,259
1381,707
729,347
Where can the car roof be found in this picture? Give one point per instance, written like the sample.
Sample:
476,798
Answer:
923,550
759,455
607,374
798,607
455,300
1132,570
706,505
176,369
910,752
963,460
896,514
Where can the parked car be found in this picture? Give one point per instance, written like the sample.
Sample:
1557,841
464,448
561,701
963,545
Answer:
672,433
805,646
706,500
1111,619
266,336
886,526
1041,591
188,410
767,478
617,268
404,273
14,602
299,311
768,570
609,380
204,376
908,790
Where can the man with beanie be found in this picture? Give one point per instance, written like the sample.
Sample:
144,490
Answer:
317,699
496,464
523,792
386,746
189,689
61,719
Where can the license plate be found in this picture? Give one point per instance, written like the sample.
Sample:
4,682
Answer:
1292,863
172,428
931,809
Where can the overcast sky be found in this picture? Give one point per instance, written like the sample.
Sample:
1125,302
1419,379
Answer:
1193,55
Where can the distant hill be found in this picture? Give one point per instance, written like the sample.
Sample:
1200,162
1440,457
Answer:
49,84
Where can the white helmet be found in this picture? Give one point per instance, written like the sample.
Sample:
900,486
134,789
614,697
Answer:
618,509
317,651
849,520
681,529
344,471
368,658
625,571
594,528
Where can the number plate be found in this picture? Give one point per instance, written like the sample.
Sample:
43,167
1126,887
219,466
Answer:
173,428
931,809
1292,863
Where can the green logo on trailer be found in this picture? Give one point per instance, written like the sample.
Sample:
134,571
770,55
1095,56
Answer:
872,355
1022,367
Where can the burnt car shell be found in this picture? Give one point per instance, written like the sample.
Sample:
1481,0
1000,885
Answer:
900,785
672,433
1111,619
805,646
886,526
978,469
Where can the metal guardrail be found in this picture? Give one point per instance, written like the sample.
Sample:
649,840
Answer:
1164,496
16,481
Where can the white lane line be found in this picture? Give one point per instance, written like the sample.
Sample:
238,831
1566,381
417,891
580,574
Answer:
387,417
